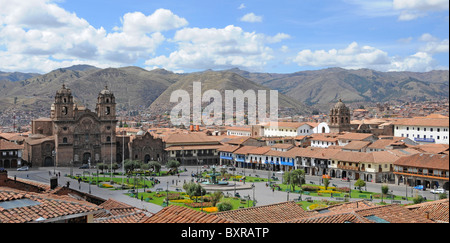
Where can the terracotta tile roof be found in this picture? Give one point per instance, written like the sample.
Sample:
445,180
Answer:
356,145
432,148
6,145
393,213
382,143
372,157
274,213
245,149
354,136
22,207
434,210
228,148
179,214
422,160
119,212
194,147
190,138
429,122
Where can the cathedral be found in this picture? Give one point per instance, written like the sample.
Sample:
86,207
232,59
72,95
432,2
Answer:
73,136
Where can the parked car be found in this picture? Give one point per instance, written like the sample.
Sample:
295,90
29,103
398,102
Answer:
85,166
23,168
438,191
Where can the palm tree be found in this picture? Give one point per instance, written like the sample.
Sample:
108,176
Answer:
295,177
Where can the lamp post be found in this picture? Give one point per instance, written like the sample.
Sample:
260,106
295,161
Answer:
254,200
54,161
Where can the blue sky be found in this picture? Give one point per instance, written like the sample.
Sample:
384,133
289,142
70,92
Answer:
283,36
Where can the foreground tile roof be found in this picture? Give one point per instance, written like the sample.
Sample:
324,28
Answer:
179,214
434,210
393,213
274,213
22,207
119,212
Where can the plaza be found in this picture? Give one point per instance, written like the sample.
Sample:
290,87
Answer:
259,191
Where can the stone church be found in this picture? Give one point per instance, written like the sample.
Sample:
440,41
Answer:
72,135
339,118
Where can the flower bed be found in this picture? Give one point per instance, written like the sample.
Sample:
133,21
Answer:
211,209
199,204
182,201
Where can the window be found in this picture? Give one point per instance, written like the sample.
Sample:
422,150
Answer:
64,140
108,139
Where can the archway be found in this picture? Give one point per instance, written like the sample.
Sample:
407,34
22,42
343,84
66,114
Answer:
48,161
146,158
86,157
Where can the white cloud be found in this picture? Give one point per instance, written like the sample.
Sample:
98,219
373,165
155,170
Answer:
40,30
353,56
413,9
356,57
242,6
160,20
212,48
433,45
251,18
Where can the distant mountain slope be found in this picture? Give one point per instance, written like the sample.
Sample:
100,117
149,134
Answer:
16,76
328,85
299,93
221,81
134,88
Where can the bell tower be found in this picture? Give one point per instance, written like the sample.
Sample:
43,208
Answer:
63,106
106,105
339,118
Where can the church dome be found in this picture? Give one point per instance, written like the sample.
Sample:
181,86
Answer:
340,105
64,90
106,91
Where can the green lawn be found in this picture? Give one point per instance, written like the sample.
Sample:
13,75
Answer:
159,198
354,193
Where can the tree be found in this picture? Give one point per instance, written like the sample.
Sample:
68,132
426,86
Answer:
215,197
173,165
155,166
194,190
385,189
131,165
115,166
360,183
295,177
102,166
224,206
326,182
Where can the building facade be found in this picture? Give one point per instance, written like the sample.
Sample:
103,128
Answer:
423,130
73,136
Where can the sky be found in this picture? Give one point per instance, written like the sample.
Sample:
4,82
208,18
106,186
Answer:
183,36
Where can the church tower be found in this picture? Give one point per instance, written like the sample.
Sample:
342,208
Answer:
106,105
63,106
339,118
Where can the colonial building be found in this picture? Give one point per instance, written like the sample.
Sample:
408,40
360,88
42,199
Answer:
423,130
72,135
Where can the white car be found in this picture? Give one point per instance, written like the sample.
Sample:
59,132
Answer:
23,168
438,191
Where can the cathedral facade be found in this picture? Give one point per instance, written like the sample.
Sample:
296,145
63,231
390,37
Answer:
73,136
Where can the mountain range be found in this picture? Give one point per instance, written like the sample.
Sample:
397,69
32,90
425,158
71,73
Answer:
299,93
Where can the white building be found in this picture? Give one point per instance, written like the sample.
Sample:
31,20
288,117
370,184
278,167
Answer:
293,129
239,131
423,130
